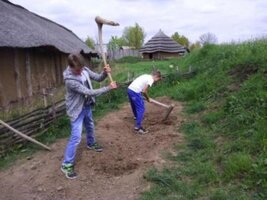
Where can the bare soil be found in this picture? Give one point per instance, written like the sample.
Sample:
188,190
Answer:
115,174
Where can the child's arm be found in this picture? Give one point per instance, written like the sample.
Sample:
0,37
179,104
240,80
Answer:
145,90
81,89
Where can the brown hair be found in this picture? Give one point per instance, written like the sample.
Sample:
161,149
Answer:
75,60
156,73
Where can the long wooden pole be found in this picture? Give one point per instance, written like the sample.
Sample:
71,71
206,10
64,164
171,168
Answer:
100,21
24,136
102,50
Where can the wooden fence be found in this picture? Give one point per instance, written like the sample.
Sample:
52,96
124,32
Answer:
31,124
120,53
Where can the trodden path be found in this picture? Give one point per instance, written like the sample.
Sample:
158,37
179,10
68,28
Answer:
115,174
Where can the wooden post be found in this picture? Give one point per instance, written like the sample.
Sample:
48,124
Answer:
45,97
28,74
17,73
53,104
177,69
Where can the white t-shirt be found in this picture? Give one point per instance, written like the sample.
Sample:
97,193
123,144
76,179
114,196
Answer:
141,82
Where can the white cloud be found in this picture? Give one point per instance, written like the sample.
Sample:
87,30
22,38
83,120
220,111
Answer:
229,20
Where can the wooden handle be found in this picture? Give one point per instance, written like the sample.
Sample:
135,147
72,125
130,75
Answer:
110,77
100,21
158,103
24,136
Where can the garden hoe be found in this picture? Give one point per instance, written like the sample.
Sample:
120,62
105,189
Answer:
100,21
168,111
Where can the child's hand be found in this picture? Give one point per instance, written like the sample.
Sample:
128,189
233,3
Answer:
107,69
113,85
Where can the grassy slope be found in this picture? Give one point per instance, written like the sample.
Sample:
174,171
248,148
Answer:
225,153
225,156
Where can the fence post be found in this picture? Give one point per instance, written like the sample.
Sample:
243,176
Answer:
177,69
53,104
45,97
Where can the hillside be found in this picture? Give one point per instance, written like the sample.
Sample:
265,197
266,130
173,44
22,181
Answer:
225,156
216,146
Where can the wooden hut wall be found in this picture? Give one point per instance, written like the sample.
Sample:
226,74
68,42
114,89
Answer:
24,72
7,76
159,55
162,55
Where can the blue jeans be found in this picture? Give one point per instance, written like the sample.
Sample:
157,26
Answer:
138,106
85,118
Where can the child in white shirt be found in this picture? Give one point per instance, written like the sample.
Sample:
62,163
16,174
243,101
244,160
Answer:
135,90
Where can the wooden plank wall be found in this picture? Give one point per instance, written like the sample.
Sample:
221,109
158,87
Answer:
25,72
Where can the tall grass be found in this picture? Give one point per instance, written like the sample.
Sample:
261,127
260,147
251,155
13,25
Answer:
226,152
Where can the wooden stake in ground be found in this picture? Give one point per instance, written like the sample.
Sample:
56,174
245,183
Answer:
24,136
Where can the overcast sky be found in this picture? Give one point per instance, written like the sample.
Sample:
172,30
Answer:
229,20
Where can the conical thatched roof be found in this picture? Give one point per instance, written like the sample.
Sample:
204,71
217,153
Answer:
24,29
163,43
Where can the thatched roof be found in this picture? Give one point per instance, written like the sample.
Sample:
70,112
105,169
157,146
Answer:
163,43
24,29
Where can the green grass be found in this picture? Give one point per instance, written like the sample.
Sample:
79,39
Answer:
225,156
225,153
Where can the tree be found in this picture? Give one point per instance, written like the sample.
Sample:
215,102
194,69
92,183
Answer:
116,42
134,36
208,38
195,45
181,39
90,42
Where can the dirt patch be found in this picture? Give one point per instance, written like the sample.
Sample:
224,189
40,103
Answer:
116,173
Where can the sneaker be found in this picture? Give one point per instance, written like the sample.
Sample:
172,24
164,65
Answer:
96,147
141,130
68,170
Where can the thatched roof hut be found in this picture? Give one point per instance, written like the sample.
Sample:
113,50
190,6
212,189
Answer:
33,53
24,29
161,46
